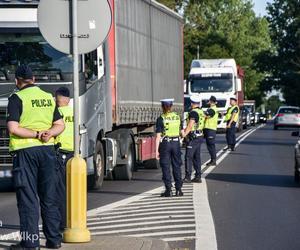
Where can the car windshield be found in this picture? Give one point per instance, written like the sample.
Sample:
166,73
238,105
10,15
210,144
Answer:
212,83
31,49
289,111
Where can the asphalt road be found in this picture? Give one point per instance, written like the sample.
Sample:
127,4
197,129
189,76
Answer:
252,197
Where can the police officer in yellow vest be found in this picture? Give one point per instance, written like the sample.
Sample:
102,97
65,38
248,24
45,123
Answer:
33,121
194,136
168,127
231,119
65,144
210,130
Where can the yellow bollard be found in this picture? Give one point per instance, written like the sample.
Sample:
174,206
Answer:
76,231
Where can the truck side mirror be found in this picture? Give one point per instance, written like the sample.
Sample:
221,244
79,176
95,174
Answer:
295,133
238,85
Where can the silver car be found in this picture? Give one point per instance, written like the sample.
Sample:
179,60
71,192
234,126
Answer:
287,116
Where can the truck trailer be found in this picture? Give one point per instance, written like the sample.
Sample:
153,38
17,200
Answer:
221,78
121,82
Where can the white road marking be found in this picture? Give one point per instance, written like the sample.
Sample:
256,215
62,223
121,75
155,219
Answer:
141,223
145,229
179,238
99,221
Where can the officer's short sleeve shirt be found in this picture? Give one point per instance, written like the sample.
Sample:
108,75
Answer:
15,109
210,112
235,110
193,115
159,125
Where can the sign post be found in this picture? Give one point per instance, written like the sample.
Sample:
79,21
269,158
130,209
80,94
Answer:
75,27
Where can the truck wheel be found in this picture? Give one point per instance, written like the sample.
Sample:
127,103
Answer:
99,166
124,172
151,164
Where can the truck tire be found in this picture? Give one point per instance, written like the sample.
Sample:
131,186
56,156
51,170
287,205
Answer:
99,166
124,172
151,164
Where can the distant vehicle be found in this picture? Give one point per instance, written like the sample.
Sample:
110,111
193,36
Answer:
246,121
262,118
287,116
250,106
297,157
221,78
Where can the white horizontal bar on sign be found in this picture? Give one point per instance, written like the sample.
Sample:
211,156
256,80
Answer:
141,224
101,221
182,232
127,210
144,229
147,214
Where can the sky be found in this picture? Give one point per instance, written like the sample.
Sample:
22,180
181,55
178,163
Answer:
260,6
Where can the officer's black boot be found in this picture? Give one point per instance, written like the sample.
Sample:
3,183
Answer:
52,245
179,192
19,247
167,193
187,179
211,163
226,148
197,179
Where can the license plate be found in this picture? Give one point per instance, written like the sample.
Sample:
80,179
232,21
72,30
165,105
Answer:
5,174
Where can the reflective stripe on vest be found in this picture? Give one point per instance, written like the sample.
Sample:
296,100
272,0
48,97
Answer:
172,123
37,114
229,114
212,122
200,124
66,139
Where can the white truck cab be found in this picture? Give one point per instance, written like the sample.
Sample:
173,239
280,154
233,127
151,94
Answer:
217,77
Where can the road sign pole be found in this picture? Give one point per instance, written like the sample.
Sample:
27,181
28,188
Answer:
75,75
76,230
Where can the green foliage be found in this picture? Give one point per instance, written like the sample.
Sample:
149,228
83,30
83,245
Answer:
283,61
273,103
225,29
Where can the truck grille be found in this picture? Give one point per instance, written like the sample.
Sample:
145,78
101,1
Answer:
5,158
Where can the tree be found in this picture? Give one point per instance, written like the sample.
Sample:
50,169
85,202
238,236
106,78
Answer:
225,29
283,61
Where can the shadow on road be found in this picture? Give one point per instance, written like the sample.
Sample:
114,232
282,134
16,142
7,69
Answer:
256,179
268,143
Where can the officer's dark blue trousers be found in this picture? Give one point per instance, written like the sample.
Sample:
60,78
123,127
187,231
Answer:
210,137
35,179
193,157
63,158
230,135
170,153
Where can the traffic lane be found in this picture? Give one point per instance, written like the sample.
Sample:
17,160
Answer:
254,200
143,180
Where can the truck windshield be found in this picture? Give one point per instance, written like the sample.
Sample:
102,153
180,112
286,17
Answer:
31,49
212,83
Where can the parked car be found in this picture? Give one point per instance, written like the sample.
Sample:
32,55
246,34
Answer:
246,120
262,118
297,157
252,119
287,116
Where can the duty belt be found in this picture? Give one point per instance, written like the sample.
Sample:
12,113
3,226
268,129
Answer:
168,139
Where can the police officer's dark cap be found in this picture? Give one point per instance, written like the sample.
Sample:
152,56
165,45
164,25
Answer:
24,72
63,91
213,99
